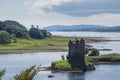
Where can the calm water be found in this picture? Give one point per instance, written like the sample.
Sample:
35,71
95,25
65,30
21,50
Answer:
113,45
15,63
102,72
114,35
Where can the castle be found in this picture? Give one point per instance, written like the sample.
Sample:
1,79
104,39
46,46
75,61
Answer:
76,54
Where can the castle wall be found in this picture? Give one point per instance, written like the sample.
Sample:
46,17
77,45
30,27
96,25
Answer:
77,48
76,53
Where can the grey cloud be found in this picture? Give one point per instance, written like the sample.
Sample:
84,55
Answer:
87,8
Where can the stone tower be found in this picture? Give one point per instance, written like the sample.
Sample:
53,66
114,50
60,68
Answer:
76,54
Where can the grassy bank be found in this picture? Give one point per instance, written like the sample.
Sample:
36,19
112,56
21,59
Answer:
57,43
104,59
64,65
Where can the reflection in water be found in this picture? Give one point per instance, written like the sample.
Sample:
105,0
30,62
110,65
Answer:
76,76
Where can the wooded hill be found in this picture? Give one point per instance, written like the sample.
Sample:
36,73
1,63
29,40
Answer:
10,30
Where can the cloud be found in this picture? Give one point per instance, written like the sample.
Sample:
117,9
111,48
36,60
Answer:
46,6
77,8
28,3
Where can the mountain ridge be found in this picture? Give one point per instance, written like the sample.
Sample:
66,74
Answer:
96,28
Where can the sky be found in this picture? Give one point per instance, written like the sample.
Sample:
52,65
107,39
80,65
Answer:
61,12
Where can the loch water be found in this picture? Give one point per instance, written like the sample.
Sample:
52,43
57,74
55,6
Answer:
15,63
111,45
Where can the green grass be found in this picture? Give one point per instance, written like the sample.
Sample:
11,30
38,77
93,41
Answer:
104,58
54,43
64,65
61,65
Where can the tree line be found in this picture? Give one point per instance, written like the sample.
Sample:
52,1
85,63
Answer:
10,30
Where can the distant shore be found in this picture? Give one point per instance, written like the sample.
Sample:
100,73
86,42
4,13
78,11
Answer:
97,63
28,51
54,44
77,70
32,51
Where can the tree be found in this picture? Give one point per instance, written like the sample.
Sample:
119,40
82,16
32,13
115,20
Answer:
27,74
13,37
19,32
49,34
2,73
9,29
94,53
86,51
13,27
1,25
34,33
45,33
63,58
4,37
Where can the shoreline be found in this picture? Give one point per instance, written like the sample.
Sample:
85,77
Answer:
52,50
46,46
55,48
28,51
55,70
95,63
99,63
32,51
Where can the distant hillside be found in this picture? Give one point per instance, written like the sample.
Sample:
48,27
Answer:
14,28
17,30
14,24
96,28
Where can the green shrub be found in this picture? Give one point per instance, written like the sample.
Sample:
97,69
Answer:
86,51
4,37
94,53
104,58
2,74
89,65
63,58
36,33
27,74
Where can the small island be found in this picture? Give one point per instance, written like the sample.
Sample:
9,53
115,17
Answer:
112,58
75,59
